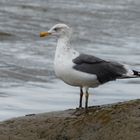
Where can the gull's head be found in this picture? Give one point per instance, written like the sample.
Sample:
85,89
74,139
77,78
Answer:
59,30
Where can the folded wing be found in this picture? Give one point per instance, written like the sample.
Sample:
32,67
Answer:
105,70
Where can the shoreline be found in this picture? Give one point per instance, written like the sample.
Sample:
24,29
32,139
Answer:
106,122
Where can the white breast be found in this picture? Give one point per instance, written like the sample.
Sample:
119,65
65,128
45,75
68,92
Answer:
63,66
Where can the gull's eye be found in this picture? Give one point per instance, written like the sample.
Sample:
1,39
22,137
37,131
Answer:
56,29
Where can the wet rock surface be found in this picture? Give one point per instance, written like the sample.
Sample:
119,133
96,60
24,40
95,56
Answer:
110,122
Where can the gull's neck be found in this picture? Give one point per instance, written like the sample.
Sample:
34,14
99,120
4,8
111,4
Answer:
63,46
64,51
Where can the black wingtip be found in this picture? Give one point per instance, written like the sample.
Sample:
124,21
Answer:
137,73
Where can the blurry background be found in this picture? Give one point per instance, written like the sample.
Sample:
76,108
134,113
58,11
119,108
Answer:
109,29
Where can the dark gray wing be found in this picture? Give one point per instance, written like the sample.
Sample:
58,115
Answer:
105,71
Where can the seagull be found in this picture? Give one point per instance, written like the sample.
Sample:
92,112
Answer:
83,70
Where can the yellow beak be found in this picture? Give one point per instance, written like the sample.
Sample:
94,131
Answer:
43,34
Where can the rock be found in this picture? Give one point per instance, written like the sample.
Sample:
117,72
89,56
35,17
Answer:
109,122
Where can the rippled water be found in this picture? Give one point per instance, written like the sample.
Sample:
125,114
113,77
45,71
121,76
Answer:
108,29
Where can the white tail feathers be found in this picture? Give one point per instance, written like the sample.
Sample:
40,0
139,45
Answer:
131,73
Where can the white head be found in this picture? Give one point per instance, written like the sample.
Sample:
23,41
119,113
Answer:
59,30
